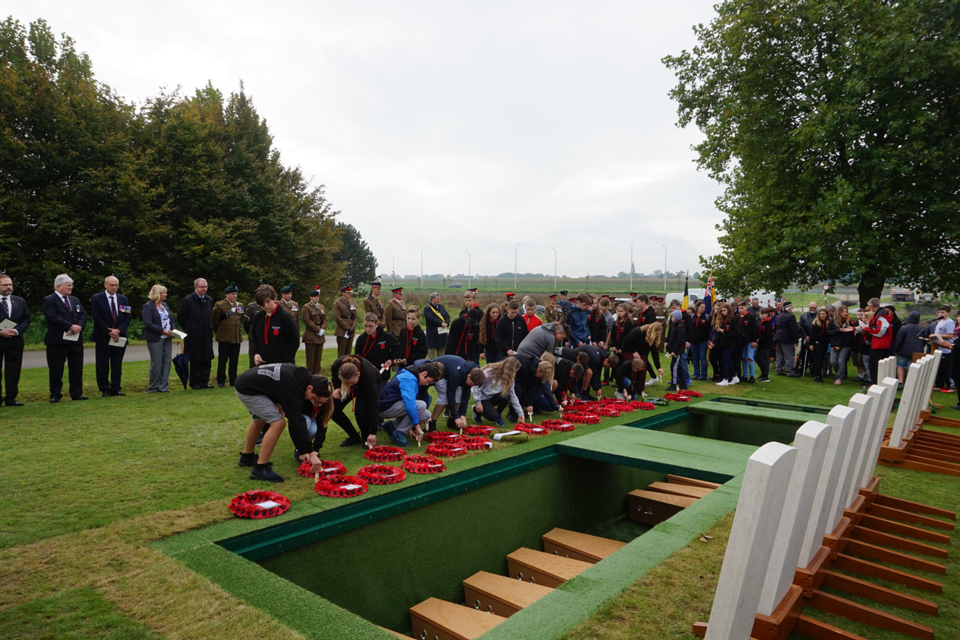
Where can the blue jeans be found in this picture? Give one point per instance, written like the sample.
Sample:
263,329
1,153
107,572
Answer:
698,354
748,368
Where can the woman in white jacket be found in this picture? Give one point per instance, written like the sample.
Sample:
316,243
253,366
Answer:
497,391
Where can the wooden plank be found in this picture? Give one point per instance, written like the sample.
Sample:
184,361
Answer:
680,501
810,628
543,568
872,591
500,595
934,453
579,546
651,507
900,515
922,464
916,507
880,538
898,528
679,489
449,621
693,482
866,550
874,570
866,615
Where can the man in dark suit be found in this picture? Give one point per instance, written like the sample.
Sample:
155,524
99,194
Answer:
12,309
111,316
195,317
65,321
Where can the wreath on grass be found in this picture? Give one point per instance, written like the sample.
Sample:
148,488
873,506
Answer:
479,430
690,393
258,504
532,429
381,474
340,486
582,417
423,464
676,397
660,402
476,443
383,453
643,406
330,468
442,436
607,412
556,425
446,449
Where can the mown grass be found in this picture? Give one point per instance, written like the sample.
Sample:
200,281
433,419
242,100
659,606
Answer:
89,485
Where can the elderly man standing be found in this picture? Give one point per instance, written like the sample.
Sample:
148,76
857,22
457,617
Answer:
195,318
13,311
111,317
66,318
227,321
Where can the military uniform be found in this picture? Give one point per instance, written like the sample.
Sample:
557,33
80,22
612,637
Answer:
249,314
315,319
375,306
345,315
227,320
395,317
292,307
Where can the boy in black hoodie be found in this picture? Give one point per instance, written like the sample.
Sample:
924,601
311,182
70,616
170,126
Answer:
511,330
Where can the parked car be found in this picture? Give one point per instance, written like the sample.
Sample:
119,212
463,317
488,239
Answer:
455,285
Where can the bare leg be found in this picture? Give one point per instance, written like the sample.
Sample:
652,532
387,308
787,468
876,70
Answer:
587,375
900,374
437,410
270,439
253,432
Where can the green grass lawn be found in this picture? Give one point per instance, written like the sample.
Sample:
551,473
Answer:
90,485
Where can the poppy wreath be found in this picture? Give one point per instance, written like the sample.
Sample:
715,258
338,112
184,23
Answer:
247,505
532,429
423,464
607,412
556,425
476,443
478,430
381,474
383,453
330,468
644,406
676,397
582,417
690,393
442,436
446,449
618,405
340,486
660,402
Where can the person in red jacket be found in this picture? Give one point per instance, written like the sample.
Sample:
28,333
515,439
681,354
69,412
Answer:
881,337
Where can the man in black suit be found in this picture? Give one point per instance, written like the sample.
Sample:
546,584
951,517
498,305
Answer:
65,319
13,309
195,317
111,316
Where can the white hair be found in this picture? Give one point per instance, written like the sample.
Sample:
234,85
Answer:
62,279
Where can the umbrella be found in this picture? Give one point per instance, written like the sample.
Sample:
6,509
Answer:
180,364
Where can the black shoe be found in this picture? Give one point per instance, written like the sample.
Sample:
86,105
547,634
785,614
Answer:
671,388
818,379
752,380
957,408
794,375
476,416
388,427
221,384
264,472
80,398
247,459
210,386
431,426
351,441
118,393
55,398
14,403
296,456
266,427
106,394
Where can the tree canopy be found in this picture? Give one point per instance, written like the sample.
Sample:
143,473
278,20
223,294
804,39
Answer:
834,127
180,188
359,265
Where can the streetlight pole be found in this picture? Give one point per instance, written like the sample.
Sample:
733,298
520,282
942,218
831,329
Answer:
393,270
631,265
664,266
469,267
554,268
515,266
421,265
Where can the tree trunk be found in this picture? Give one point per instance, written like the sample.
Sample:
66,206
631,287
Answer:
870,287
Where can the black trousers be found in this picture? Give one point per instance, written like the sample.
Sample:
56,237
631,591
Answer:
368,421
493,406
11,359
227,352
72,354
199,373
109,366
944,372
762,358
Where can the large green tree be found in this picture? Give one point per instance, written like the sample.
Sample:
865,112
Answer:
835,127
359,265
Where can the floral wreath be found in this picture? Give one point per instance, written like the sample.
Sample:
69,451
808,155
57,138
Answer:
476,443
381,474
607,411
384,453
446,449
676,397
532,429
479,430
340,486
423,464
690,393
556,425
660,402
581,417
442,436
249,504
330,468
643,406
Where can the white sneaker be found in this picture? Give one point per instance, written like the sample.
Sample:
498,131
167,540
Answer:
722,383
735,380
654,380
619,396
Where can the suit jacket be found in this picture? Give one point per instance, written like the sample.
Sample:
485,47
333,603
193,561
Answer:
103,318
194,317
20,315
60,319
152,326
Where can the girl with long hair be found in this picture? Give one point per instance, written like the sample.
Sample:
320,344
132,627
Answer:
488,331
497,391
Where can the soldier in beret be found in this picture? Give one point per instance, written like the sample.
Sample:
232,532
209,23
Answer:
395,314
373,304
315,319
227,317
345,315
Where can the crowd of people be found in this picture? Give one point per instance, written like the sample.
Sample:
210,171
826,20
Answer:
502,361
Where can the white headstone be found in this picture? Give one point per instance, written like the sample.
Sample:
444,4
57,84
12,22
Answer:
865,406
887,368
765,484
937,355
841,419
811,443
882,419
921,400
908,403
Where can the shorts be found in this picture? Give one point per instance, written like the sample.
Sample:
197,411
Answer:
904,361
260,407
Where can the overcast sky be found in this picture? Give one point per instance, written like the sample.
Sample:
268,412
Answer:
447,125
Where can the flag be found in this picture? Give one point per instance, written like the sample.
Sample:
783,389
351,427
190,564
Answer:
686,292
710,296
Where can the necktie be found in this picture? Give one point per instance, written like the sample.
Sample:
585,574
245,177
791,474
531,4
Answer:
66,301
6,307
113,311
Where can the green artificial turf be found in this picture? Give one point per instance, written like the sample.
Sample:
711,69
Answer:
79,614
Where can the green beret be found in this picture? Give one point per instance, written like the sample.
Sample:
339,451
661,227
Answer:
287,289
232,288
